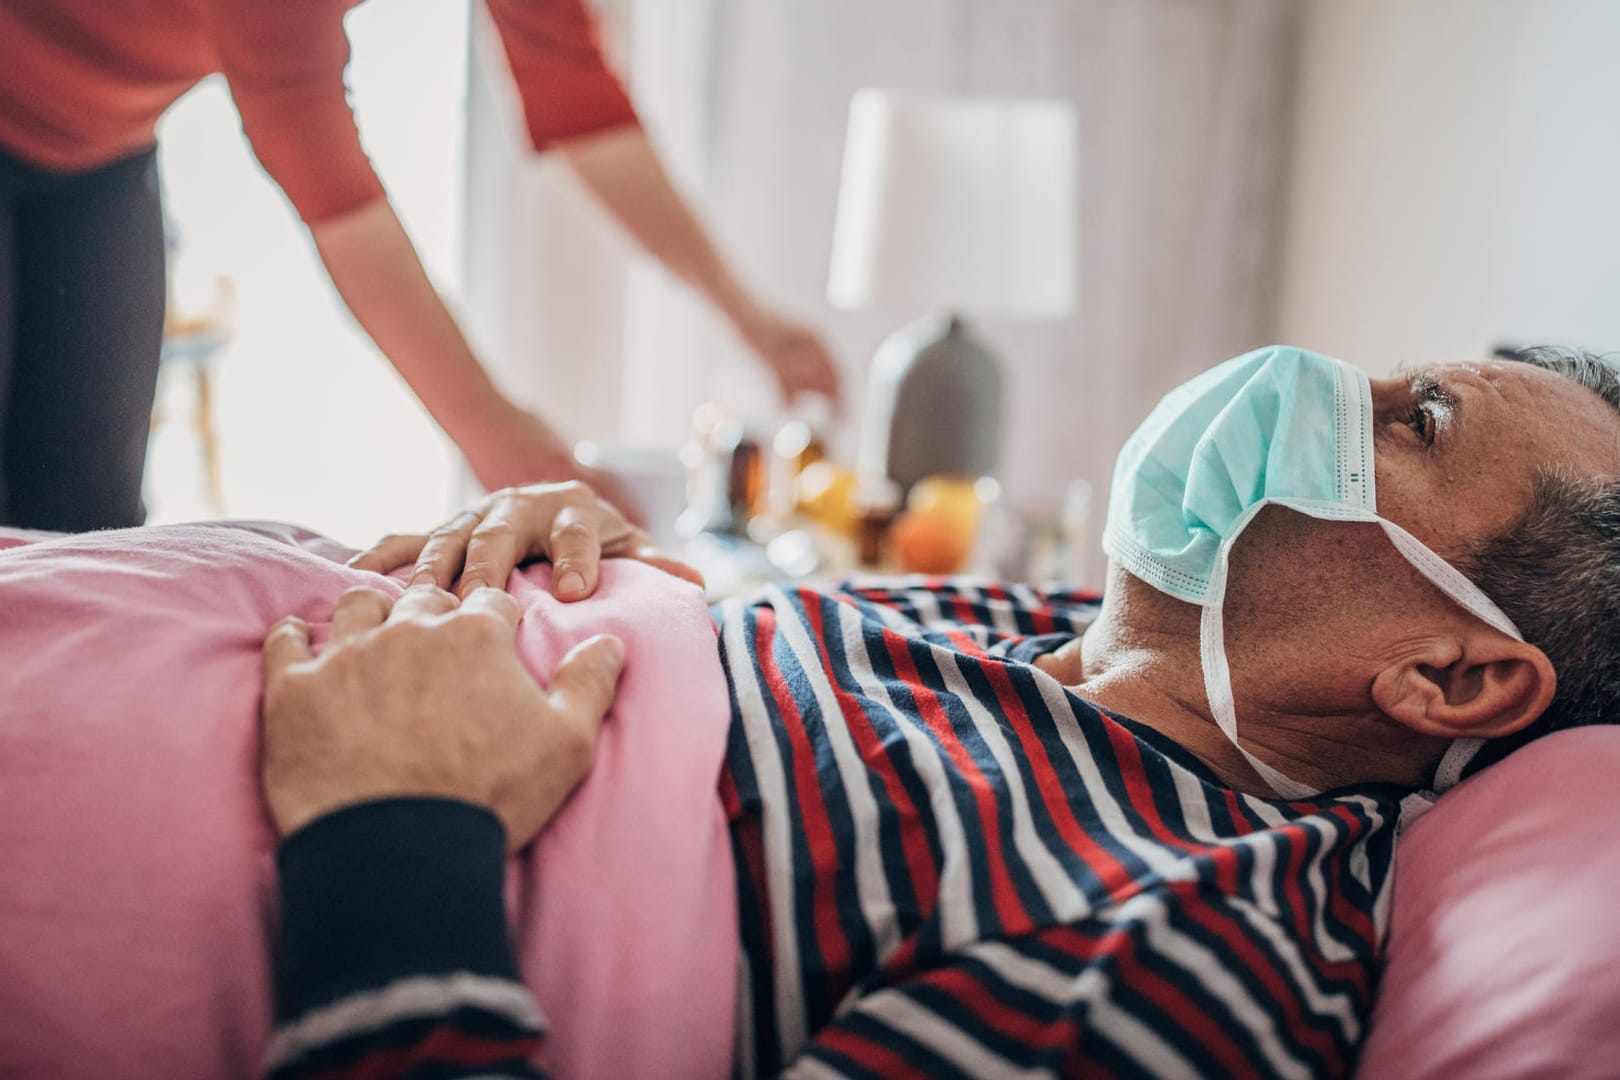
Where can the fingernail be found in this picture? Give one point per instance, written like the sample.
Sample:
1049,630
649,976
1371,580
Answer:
471,585
614,649
571,582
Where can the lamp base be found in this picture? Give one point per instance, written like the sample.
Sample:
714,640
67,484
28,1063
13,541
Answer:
934,405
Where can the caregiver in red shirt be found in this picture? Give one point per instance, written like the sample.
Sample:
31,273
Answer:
82,84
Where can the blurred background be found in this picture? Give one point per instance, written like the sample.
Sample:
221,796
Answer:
1387,181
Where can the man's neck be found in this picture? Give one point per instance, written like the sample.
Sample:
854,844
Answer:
1141,659
1147,680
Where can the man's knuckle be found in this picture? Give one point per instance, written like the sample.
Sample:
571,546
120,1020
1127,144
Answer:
342,655
577,491
364,594
498,529
502,613
405,633
289,689
463,523
573,531
431,590
471,628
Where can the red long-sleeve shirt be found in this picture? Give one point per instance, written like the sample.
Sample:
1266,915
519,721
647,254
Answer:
83,82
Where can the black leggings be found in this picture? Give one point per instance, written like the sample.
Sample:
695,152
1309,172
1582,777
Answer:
81,327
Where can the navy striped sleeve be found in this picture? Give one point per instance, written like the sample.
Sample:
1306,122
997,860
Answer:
1145,989
995,1008
393,956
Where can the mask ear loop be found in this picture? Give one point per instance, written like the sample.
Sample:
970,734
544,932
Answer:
1448,579
1468,596
1446,777
1218,673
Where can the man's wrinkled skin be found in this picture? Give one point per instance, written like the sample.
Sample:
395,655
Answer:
1347,664
426,696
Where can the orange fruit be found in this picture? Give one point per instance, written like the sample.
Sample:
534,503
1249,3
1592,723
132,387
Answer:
955,497
929,542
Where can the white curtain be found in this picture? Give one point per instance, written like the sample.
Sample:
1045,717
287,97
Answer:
1185,119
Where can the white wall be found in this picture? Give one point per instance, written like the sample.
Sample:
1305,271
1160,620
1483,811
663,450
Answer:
542,266
1183,112
316,426
1454,178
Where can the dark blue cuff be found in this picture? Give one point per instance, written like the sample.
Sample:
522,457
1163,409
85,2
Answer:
386,890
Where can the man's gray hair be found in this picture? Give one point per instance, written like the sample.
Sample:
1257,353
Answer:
1556,573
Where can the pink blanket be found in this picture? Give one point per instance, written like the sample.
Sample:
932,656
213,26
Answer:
136,875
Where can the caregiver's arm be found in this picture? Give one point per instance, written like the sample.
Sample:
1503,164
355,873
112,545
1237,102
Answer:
400,766
574,104
376,270
622,170
566,524
285,65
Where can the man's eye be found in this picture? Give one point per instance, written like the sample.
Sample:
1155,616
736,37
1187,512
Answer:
1422,422
1432,408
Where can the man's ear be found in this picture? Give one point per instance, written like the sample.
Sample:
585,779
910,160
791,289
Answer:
1478,683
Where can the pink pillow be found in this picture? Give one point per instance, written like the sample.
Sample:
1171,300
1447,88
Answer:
1504,945
136,909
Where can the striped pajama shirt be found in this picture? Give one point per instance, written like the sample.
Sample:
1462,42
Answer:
947,865
951,866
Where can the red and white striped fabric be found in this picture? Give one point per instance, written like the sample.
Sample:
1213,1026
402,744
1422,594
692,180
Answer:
950,865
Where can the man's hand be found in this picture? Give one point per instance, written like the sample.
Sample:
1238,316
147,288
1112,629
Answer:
427,697
565,523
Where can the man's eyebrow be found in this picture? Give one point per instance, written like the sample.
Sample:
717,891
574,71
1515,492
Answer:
1428,388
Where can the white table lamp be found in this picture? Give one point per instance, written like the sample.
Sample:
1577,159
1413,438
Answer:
950,204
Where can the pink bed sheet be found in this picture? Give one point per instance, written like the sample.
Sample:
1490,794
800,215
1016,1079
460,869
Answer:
137,905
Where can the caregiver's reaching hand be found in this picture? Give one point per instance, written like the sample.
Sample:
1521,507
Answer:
566,524
426,697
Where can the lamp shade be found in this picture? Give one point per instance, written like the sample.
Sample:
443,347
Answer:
961,202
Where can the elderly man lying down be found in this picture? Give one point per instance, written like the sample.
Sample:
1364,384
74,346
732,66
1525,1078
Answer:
962,830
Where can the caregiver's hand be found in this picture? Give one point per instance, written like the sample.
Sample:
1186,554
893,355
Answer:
511,446
426,697
794,352
565,523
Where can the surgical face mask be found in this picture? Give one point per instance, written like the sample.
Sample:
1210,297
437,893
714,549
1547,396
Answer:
1276,427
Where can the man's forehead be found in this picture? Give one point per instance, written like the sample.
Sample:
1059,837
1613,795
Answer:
1495,370
1556,409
